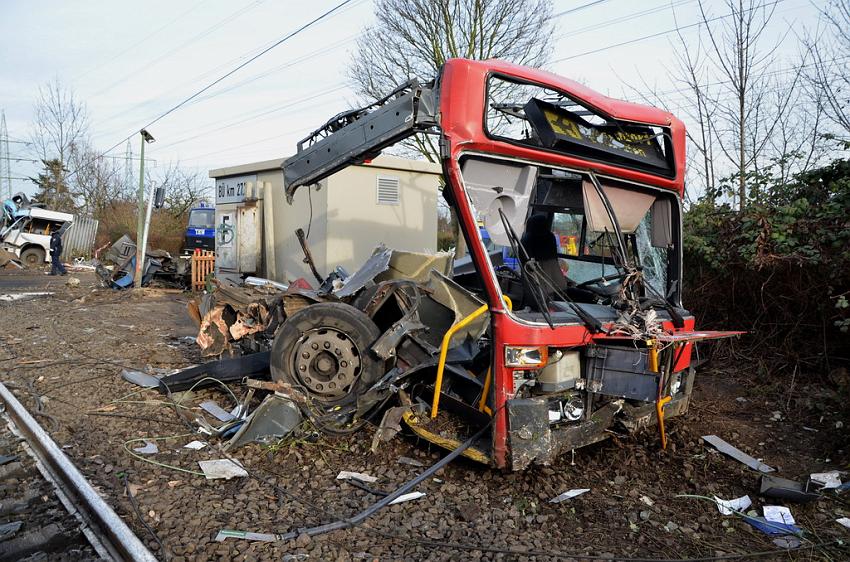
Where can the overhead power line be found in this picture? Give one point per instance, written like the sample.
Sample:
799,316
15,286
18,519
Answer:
658,34
579,8
277,43
183,45
137,43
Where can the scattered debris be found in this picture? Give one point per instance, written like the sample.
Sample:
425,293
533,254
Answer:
771,527
844,521
6,459
569,494
408,497
275,417
778,514
195,445
647,500
410,462
222,468
828,480
736,453
787,542
224,370
9,530
346,475
72,281
225,534
728,507
9,297
140,378
784,489
212,407
149,448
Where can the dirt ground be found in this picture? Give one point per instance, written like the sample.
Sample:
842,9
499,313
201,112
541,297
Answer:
71,346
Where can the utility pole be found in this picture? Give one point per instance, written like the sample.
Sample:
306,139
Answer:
5,161
140,249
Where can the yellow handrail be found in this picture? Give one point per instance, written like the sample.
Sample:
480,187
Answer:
444,349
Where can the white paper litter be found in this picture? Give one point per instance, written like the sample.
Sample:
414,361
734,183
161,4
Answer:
827,479
843,521
726,507
647,500
346,475
408,497
222,468
569,494
778,514
149,449
195,445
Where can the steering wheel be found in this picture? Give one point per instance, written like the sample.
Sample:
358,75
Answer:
598,280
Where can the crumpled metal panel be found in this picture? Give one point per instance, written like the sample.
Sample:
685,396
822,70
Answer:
365,276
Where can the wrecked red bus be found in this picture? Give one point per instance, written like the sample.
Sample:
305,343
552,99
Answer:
586,335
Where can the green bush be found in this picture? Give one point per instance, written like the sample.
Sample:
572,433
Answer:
780,269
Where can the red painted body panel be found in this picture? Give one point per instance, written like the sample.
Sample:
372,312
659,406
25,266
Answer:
462,98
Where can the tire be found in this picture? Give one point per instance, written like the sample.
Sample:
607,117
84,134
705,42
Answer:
324,351
33,257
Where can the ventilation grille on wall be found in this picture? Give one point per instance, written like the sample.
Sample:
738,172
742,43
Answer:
388,191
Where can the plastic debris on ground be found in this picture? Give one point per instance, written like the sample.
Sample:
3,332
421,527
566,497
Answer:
410,462
408,497
778,514
212,407
140,378
728,507
347,475
844,521
771,527
828,480
9,297
569,494
9,530
150,448
787,542
222,468
195,445
736,453
225,534
647,500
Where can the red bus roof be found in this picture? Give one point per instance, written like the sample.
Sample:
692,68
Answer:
462,108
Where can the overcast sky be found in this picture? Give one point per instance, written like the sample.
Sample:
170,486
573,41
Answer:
129,62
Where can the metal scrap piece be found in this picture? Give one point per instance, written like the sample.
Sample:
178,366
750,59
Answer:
140,378
365,276
736,453
274,418
213,408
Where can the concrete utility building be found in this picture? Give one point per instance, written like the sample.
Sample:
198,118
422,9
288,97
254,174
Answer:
389,200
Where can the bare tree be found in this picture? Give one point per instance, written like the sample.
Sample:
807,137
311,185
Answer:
183,188
828,75
413,38
97,184
60,122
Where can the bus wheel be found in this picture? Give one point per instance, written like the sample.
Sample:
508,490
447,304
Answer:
33,257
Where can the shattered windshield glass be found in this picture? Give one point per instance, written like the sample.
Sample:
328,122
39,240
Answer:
562,223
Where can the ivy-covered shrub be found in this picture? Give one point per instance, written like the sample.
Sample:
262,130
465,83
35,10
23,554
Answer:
780,270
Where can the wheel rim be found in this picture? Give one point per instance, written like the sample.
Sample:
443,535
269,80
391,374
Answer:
31,258
326,362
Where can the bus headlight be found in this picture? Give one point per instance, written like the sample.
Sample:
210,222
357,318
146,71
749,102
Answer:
522,357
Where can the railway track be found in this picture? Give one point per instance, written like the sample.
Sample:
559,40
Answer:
48,510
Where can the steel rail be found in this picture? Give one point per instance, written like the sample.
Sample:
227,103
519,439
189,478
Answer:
115,536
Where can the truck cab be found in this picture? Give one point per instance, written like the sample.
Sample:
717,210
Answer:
26,227
200,232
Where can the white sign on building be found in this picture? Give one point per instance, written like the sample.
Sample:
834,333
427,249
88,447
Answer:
232,189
